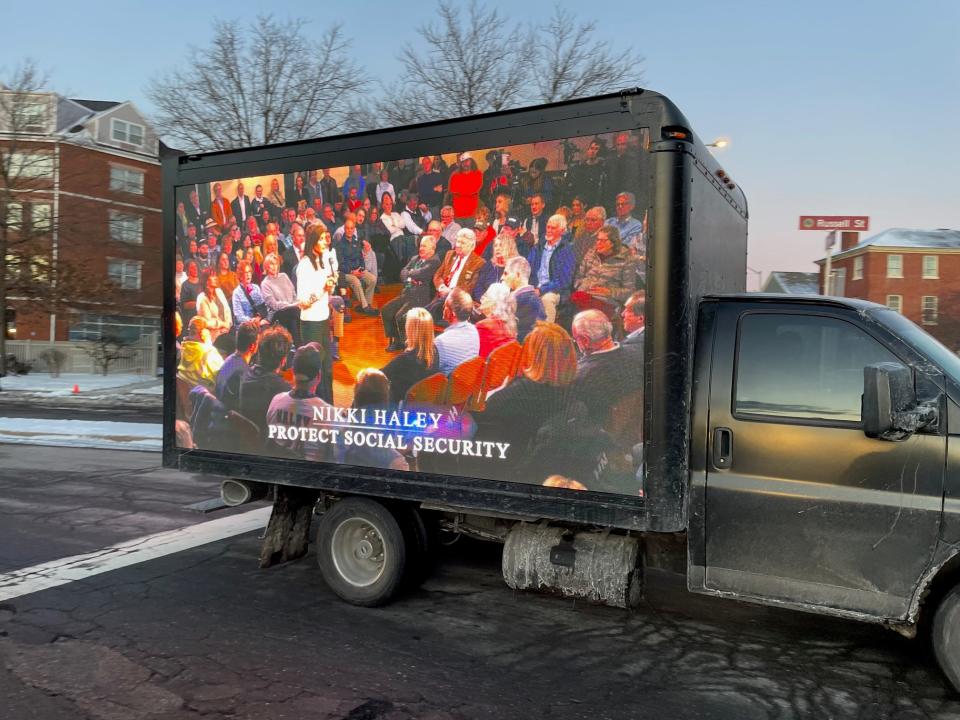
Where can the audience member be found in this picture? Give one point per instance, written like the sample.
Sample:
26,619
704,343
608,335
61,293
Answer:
263,382
372,390
608,371
608,274
419,359
460,341
516,276
199,360
552,264
499,325
237,366
295,408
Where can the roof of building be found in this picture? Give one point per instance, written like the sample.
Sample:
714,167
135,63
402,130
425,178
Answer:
905,238
795,283
96,105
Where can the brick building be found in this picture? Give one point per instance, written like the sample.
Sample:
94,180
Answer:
915,272
94,189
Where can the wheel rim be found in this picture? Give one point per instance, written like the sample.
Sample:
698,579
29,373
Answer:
359,552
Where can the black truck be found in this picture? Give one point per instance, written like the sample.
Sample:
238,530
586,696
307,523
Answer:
793,451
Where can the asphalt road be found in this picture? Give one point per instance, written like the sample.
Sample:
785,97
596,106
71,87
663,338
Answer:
204,633
148,412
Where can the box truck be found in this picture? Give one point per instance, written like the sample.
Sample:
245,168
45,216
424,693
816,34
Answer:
551,347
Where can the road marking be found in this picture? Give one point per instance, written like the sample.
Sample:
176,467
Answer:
130,552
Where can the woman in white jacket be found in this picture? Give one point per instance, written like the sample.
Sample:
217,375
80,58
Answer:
212,306
316,279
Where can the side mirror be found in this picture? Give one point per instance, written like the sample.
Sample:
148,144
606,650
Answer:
890,410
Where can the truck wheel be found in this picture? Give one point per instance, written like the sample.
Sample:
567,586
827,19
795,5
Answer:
946,636
362,551
421,544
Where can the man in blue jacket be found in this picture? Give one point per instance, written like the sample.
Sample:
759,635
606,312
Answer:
552,265
353,269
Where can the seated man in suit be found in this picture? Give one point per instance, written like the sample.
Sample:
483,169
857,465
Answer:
607,370
417,279
460,269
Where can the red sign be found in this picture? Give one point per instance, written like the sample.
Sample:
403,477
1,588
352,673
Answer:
855,223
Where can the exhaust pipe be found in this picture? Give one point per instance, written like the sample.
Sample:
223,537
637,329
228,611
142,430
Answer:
238,492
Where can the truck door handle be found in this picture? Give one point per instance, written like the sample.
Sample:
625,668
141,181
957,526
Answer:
722,448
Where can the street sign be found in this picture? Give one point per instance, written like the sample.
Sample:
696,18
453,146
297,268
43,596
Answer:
856,223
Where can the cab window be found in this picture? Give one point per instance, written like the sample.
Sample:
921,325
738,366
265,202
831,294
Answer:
807,367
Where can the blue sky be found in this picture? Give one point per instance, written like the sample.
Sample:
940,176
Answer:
832,107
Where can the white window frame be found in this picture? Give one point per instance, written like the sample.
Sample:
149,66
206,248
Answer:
857,273
29,165
895,302
126,179
128,271
932,273
929,315
122,228
120,131
893,272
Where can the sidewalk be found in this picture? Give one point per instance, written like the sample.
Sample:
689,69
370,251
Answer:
121,389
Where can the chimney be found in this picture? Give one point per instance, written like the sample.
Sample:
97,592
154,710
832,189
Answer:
849,240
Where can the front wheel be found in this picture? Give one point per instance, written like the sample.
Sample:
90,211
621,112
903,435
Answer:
946,636
362,551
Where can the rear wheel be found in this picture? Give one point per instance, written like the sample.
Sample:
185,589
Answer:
946,636
421,544
362,551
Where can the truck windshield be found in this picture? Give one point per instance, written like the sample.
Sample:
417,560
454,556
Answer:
925,343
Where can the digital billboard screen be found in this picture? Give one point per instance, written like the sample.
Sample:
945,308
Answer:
478,313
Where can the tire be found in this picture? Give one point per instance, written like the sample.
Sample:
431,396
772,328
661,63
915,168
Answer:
421,545
946,636
362,551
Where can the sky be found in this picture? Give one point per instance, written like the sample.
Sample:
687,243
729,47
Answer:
832,108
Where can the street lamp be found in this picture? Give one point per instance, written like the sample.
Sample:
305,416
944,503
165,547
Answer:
719,143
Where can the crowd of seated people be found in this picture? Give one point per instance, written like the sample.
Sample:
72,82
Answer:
456,262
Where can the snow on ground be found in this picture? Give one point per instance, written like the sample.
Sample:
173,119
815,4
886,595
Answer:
152,390
81,433
43,383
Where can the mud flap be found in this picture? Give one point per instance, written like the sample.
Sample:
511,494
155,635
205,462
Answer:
596,566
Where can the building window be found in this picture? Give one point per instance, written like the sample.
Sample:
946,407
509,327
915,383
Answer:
894,266
29,165
31,117
126,228
14,216
857,268
127,132
838,287
126,180
895,302
125,273
41,217
90,327
931,267
929,307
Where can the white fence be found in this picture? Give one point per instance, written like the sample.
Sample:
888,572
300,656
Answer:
140,358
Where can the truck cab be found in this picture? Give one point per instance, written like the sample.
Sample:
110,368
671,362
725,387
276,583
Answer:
823,471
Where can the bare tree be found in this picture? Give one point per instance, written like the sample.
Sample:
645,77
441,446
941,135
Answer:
467,64
34,273
108,349
267,83
464,64
570,61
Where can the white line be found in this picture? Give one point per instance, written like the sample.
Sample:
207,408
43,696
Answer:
80,567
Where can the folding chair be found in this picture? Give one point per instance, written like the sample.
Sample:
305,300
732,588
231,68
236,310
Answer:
465,381
429,391
501,364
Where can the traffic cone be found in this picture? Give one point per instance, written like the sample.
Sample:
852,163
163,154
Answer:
76,389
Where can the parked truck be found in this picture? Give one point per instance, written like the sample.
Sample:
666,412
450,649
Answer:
789,451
